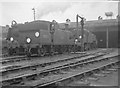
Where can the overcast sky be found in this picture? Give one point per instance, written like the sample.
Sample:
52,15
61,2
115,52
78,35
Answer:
59,10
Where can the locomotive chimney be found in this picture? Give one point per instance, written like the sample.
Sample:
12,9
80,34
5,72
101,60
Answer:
67,24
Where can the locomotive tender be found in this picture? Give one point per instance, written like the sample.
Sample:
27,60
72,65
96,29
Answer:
44,37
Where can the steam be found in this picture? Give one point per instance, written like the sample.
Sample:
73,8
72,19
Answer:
50,7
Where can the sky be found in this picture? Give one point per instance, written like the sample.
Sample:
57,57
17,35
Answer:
59,10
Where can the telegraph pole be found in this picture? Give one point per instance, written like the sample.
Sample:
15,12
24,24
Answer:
82,30
34,12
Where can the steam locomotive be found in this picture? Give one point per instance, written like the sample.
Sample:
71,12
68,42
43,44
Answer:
44,37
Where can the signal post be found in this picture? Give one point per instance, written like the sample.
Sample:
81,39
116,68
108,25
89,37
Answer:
82,30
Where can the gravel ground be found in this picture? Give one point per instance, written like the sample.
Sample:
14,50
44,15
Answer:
109,80
101,80
29,71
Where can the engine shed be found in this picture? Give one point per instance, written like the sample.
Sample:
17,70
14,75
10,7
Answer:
107,31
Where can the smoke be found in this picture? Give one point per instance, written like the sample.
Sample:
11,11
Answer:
50,7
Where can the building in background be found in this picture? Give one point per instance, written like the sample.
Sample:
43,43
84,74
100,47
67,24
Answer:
99,28
3,31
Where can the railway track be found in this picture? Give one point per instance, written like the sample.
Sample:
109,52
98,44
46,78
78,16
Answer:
85,76
43,64
13,59
18,67
3,55
32,68
65,74
22,63
56,72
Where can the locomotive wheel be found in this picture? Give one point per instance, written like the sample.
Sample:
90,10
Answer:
52,52
61,50
85,47
69,49
41,51
10,51
17,50
92,45
74,49
28,52
95,46
64,49
5,51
